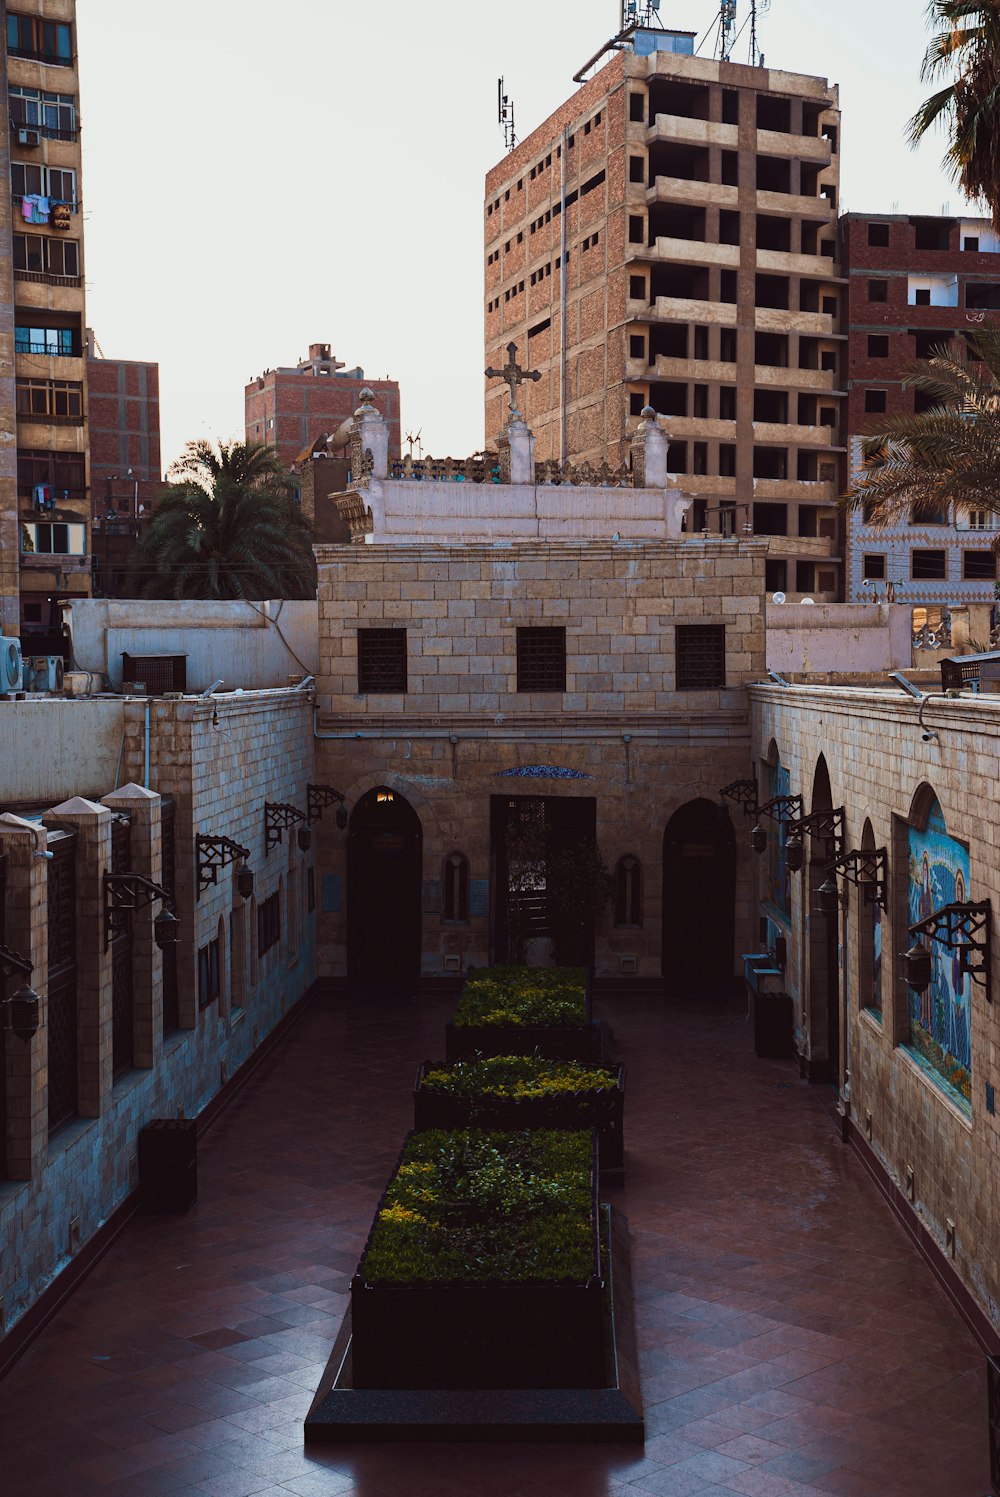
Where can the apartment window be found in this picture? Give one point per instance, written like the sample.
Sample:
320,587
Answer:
637,286
541,659
929,566
873,567
636,403
637,107
636,169
53,540
878,346
922,297
268,923
27,179
381,661
50,399
56,342
37,255
63,472
701,656
209,975
878,236
727,345
979,566
636,229
875,400
971,243
45,41
636,346
52,115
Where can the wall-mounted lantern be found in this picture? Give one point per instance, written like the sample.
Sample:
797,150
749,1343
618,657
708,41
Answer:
964,928
22,1011
826,824
124,893
865,868
781,809
213,853
742,793
318,797
304,837
278,817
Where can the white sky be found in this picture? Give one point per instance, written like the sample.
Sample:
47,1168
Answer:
262,174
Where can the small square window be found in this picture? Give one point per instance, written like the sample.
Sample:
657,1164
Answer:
979,566
929,566
873,567
636,107
381,661
878,346
875,401
878,290
971,243
637,287
636,403
636,229
637,346
636,169
922,297
878,236
541,659
700,656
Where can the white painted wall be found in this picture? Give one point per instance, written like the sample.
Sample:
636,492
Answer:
248,645
51,748
841,637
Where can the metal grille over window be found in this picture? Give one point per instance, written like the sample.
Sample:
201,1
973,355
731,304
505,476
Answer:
168,844
122,991
541,659
62,1018
381,660
701,656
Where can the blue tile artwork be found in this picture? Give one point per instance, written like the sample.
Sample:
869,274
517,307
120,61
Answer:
541,772
940,1019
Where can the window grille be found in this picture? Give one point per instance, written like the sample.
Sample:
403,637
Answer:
268,923
701,656
209,978
381,661
541,659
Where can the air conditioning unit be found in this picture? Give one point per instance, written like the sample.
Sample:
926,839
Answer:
28,137
44,673
11,669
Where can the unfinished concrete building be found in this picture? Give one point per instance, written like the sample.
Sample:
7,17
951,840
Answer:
668,237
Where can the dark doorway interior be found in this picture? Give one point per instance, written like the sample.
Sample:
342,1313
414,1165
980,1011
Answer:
699,899
545,871
823,938
384,862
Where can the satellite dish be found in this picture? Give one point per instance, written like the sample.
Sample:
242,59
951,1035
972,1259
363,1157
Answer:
778,598
810,601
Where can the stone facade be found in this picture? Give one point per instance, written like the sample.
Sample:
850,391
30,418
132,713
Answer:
219,760
866,750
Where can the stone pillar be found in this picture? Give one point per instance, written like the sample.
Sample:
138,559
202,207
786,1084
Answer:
92,825
517,452
143,810
27,935
370,433
649,452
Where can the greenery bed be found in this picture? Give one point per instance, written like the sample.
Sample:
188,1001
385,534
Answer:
517,1078
471,1207
543,996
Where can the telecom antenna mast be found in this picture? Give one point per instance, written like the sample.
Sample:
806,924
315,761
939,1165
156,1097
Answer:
757,8
640,13
505,116
727,29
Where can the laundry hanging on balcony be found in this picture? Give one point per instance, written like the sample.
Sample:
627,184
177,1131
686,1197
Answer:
35,209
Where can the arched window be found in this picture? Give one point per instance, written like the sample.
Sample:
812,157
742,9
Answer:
870,941
628,891
456,887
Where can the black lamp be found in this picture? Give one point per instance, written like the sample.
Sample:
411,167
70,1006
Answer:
828,896
342,818
917,967
758,839
166,929
304,838
244,881
794,851
23,1012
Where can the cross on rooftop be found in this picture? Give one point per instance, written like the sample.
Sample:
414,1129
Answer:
514,375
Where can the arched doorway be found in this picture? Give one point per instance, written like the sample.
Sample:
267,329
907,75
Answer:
823,941
699,899
384,862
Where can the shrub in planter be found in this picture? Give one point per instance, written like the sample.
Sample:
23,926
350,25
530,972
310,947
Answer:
505,1010
482,1268
521,1091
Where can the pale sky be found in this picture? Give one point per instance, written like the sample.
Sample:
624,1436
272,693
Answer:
263,174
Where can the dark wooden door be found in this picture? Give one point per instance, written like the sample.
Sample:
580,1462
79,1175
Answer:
699,899
384,867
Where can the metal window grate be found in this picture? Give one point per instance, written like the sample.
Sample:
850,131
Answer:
158,673
62,1011
541,659
701,656
381,660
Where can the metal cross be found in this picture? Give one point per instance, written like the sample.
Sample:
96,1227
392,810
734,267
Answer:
514,375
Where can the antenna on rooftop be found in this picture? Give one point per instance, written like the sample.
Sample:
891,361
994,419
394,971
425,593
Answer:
413,440
757,8
505,116
640,13
727,29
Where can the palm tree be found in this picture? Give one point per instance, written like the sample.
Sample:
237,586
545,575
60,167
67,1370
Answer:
227,528
948,453
967,46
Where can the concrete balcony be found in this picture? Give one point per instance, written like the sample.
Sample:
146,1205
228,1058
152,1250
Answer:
816,267
790,434
822,381
812,148
684,309
696,194
791,205
693,132
696,252
699,371
784,320
797,491
699,429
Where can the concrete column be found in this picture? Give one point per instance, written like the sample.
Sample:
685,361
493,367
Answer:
519,441
92,825
27,934
143,810
370,434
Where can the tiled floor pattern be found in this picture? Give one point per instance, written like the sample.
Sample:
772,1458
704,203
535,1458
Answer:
794,1344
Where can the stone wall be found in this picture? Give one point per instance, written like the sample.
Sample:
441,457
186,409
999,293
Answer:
883,771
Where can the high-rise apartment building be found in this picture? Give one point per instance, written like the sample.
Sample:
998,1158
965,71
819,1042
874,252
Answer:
668,237
44,489
914,284
290,408
125,472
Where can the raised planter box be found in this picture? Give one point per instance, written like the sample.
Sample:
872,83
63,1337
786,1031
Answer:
602,1110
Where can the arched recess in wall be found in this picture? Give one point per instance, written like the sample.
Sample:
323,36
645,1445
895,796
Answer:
822,938
699,899
870,933
455,890
938,1031
384,866
628,891
774,780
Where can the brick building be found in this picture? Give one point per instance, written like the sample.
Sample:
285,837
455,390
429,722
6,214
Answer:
290,408
45,499
668,237
914,283
125,472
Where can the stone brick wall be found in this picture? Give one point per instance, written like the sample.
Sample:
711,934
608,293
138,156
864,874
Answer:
879,767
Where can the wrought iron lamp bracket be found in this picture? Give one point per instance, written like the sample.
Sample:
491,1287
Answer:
318,797
964,928
866,869
12,961
828,824
742,793
782,808
124,893
278,817
213,853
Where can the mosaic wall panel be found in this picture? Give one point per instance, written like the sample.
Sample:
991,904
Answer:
940,1019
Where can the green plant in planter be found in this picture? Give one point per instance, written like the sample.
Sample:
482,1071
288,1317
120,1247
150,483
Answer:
477,1207
518,1078
524,995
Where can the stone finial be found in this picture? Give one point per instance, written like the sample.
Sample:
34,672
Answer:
369,434
649,452
77,806
367,398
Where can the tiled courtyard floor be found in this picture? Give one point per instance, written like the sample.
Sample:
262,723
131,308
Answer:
794,1343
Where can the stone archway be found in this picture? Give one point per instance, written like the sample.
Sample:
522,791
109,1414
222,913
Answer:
822,948
699,899
384,866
